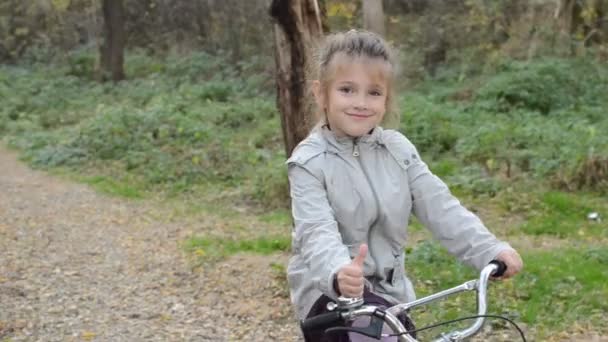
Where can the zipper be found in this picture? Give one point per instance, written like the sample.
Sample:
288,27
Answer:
356,148
365,174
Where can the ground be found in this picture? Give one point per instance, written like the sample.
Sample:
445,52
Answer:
77,265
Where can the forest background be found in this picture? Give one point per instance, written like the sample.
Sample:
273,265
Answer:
506,101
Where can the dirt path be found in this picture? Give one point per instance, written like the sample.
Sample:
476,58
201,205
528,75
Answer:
79,266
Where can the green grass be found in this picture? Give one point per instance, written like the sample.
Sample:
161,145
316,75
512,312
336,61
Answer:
214,248
113,187
280,216
564,215
564,287
554,290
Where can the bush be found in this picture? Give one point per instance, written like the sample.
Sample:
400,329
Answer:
192,121
539,119
81,63
271,186
543,86
433,128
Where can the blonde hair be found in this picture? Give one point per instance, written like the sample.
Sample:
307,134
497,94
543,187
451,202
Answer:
356,44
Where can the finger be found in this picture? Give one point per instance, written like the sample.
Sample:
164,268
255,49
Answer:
352,281
360,258
352,272
351,291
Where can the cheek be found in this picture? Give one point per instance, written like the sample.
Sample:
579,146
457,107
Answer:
337,103
380,106
338,97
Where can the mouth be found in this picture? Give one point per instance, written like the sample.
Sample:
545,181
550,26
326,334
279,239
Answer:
358,115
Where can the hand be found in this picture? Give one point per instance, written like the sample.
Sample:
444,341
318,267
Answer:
513,261
350,277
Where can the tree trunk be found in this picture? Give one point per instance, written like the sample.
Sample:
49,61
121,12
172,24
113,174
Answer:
595,30
563,25
111,50
297,28
373,16
324,19
566,16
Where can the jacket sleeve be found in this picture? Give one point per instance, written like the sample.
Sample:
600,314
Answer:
460,231
316,237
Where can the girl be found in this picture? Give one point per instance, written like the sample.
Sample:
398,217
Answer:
354,186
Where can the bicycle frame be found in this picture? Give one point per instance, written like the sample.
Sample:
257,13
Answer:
349,309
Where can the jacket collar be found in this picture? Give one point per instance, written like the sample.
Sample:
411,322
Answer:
340,144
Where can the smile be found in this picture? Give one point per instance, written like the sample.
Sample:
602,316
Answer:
360,116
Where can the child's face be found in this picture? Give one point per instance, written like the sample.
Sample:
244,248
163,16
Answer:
355,99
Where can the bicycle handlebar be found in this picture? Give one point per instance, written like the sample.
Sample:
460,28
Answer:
322,321
341,315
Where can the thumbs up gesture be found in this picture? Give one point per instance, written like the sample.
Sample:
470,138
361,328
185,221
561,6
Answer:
350,277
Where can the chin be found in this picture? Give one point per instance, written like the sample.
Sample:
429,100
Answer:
359,131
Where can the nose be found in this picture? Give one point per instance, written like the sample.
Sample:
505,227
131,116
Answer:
361,102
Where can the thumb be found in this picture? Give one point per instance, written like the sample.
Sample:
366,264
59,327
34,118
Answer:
358,260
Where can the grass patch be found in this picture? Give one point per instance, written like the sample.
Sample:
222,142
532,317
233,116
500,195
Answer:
565,215
113,187
445,271
554,291
216,248
557,289
279,216
565,204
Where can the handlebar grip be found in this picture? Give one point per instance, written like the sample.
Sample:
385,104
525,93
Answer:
321,322
502,268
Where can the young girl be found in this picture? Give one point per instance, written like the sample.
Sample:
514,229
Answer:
354,186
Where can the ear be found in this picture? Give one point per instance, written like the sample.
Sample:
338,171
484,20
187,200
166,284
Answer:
318,93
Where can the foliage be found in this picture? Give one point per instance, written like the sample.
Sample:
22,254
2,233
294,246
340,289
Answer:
433,128
542,86
193,120
188,122
537,119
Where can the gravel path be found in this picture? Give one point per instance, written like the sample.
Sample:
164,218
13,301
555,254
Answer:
79,266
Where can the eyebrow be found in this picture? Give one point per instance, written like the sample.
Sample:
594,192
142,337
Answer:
373,85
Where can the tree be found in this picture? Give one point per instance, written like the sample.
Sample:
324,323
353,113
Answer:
567,15
111,51
373,16
297,28
581,20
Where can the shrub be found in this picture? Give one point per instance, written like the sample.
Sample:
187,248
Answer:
540,86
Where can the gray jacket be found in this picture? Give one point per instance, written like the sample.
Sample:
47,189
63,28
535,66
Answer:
347,191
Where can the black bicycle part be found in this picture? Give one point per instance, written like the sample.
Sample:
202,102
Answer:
322,322
502,268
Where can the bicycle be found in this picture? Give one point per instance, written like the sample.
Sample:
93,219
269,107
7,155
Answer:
346,310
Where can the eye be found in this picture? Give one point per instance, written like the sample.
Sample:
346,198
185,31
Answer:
375,93
346,89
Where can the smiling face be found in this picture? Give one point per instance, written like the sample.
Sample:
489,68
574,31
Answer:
355,96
